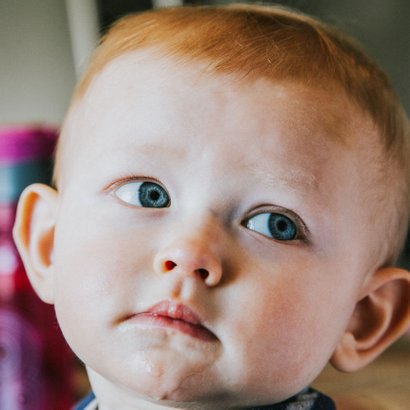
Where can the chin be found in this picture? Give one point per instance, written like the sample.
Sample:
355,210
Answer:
178,392
172,392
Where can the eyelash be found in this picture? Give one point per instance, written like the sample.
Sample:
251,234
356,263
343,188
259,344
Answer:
129,178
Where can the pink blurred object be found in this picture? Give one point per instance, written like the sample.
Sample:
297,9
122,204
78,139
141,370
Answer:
35,361
22,143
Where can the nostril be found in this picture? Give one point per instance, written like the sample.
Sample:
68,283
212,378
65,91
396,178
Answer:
169,265
203,273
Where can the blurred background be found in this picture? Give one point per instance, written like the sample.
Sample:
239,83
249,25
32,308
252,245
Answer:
44,46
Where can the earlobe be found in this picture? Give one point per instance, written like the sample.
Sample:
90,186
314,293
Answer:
380,317
34,236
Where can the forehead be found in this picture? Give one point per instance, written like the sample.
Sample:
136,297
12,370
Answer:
145,95
149,74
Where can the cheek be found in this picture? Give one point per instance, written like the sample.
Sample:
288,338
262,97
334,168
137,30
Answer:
87,265
97,253
94,276
287,329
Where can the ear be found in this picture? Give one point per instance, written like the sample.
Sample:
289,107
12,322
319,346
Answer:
380,317
34,236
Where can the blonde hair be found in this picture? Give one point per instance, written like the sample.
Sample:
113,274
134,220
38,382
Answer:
278,44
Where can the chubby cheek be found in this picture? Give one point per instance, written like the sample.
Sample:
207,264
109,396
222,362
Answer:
286,332
95,278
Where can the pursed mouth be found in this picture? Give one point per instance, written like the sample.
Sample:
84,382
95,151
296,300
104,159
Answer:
176,316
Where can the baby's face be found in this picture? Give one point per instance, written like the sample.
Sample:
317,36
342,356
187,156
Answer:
210,236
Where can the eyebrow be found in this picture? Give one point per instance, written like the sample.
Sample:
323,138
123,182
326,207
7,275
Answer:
294,179
150,148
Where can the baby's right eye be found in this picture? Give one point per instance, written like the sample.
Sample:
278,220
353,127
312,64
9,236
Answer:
145,194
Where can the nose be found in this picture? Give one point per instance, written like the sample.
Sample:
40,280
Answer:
190,257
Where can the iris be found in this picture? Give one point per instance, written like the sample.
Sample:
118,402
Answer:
152,195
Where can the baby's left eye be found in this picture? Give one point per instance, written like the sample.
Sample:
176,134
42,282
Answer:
273,225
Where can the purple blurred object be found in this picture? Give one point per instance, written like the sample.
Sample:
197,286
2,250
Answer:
25,158
23,143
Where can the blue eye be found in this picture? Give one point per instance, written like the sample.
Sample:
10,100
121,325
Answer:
272,225
145,194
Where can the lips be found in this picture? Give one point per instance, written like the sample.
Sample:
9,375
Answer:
176,316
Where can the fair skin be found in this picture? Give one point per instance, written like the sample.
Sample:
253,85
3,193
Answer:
250,312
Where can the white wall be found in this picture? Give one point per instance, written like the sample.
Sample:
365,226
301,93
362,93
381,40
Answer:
36,66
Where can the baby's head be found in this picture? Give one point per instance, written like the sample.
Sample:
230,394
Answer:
232,194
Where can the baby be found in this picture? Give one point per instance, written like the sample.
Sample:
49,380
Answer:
231,195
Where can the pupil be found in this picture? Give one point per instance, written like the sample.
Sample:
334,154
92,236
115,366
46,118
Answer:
282,225
154,195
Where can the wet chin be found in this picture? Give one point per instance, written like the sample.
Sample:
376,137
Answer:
171,379
167,376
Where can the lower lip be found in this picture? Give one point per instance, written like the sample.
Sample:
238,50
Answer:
153,320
